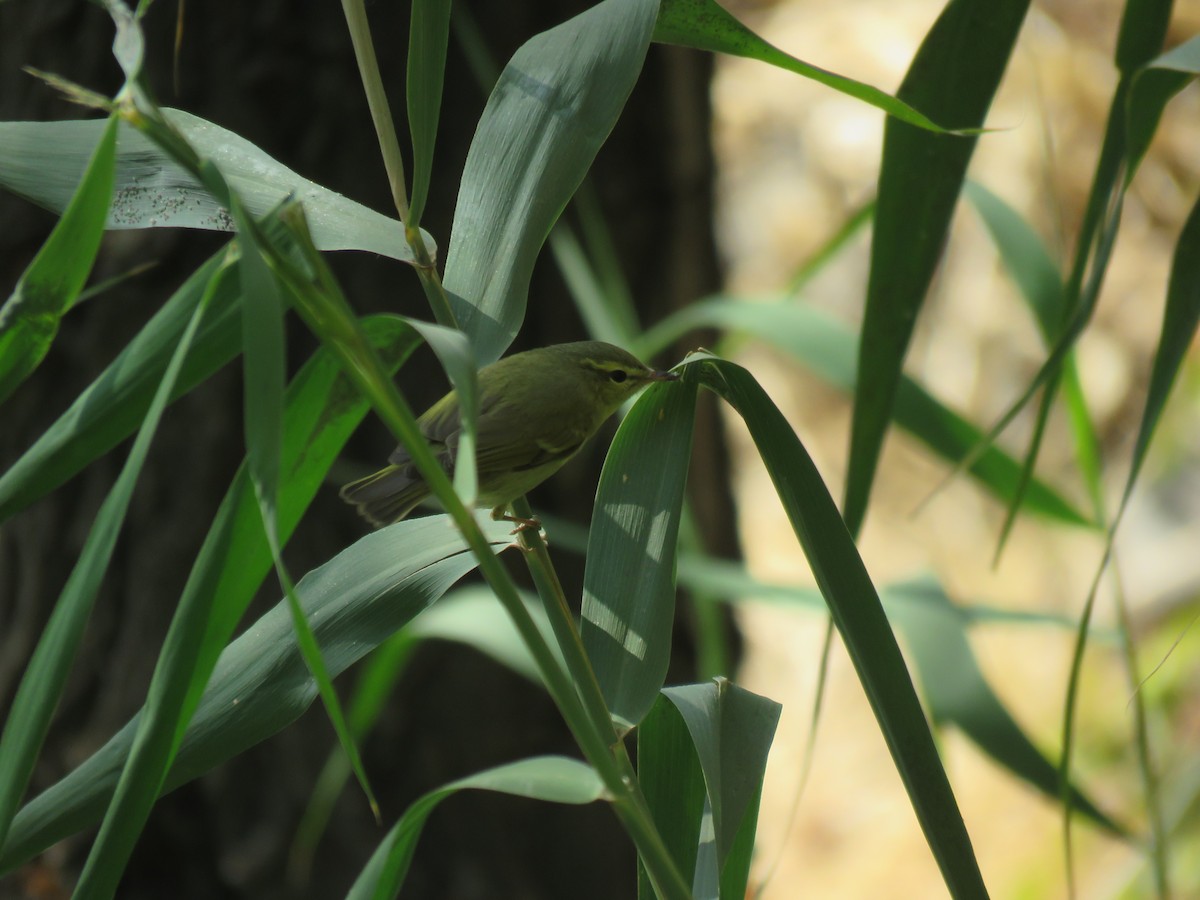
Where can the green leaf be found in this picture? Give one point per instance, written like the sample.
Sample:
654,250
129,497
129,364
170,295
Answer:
1025,257
1180,321
1037,277
629,579
1151,88
471,616
261,683
855,608
953,77
263,360
826,347
44,161
111,408
264,354
552,778
1144,26
958,694
49,286
673,784
474,617
42,684
732,730
705,25
428,35
554,105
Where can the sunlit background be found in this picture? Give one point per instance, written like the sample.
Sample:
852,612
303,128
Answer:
796,161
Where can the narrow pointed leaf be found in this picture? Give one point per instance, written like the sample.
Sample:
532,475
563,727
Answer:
428,35
552,778
52,282
42,684
856,610
44,162
958,694
706,25
629,579
554,105
952,79
1134,113
1180,321
261,683
1025,257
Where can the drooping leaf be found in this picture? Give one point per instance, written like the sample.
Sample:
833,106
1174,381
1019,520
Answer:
552,778
44,162
706,25
261,683
854,605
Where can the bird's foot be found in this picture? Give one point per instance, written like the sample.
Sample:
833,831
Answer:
499,514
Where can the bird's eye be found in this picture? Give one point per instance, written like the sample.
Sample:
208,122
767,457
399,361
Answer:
617,376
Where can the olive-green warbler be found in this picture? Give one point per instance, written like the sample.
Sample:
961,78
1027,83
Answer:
536,409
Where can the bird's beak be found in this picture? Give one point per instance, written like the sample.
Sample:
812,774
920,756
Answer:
662,376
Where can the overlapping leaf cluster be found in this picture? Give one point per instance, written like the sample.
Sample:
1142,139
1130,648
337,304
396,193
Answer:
690,806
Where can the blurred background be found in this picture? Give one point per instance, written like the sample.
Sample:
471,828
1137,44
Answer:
795,162
726,175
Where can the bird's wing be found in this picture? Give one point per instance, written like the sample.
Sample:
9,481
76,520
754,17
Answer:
503,439
506,444
441,425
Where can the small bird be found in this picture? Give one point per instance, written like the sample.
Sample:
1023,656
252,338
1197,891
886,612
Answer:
536,409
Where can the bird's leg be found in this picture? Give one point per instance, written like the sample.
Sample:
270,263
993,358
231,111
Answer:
500,514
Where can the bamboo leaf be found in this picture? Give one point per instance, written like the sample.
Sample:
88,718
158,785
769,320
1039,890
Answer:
554,105
706,25
552,778
428,35
52,282
953,78
826,347
629,579
44,162
42,684
855,608
1181,317
261,683
732,730
673,784
958,694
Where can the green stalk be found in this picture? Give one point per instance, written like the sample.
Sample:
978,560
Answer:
562,620
630,805
393,160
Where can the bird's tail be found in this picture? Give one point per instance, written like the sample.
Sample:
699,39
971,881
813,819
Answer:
386,496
